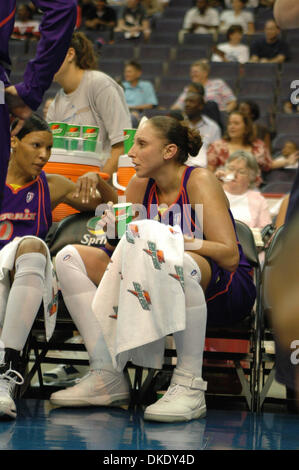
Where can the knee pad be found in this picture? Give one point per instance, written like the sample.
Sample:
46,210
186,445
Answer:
191,268
31,263
68,258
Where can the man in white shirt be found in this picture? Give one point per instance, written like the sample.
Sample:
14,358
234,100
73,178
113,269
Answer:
209,129
201,19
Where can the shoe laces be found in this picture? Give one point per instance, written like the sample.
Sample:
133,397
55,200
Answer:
9,379
173,391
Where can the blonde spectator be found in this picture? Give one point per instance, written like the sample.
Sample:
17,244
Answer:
216,89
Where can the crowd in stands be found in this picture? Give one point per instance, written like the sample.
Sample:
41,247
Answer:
217,101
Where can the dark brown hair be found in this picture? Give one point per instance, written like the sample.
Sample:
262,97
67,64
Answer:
176,132
86,57
249,131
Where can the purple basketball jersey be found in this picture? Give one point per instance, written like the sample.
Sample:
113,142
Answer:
26,211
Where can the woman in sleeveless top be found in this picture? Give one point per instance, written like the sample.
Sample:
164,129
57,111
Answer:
217,277
26,216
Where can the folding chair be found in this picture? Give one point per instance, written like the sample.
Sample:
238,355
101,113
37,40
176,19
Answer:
74,229
265,374
247,330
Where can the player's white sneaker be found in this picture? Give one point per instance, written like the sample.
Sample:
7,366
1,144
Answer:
183,401
97,388
8,380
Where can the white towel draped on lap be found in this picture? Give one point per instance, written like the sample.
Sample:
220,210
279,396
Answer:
50,297
141,297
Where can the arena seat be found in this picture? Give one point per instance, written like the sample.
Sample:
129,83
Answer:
238,357
75,229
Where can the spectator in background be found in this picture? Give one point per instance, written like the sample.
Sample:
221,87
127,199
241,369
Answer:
237,15
87,8
210,108
133,21
201,18
239,136
249,4
240,176
208,129
46,106
289,154
252,110
215,88
25,26
270,48
232,50
153,9
140,94
102,18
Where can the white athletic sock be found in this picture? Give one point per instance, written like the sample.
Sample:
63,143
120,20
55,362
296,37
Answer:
78,292
24,299
190,342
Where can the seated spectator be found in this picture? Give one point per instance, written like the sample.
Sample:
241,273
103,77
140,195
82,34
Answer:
139,94
102,18
270,48
251,109
87,8
25,26
237,15
215,88
239,136
153,9
289,155
210,108
208,129
27,274
249,4
201,18
133,21
232,50
46,106
240,176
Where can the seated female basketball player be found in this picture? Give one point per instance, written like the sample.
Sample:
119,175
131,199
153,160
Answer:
218,281
29,197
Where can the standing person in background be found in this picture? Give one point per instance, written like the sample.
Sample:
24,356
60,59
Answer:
89,97
56,29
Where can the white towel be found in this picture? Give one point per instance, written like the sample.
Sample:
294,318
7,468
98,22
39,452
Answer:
141,297
50,293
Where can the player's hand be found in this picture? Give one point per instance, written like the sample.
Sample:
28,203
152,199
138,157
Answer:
17,108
